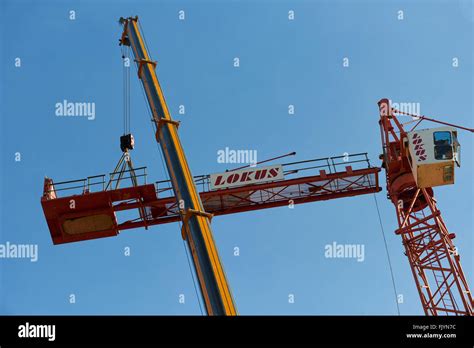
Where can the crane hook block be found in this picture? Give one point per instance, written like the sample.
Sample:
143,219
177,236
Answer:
127,142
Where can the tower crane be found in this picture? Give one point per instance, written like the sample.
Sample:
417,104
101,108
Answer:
91,212
415,161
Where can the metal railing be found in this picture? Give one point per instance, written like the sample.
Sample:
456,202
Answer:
331,165
164,188
97,183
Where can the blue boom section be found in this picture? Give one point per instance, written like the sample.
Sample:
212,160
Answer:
207,264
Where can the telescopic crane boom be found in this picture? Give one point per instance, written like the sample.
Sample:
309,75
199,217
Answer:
196,222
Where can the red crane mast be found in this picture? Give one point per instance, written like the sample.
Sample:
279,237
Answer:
433,258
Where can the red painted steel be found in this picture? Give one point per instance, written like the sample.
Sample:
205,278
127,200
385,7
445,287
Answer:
433,258
94,212
159,210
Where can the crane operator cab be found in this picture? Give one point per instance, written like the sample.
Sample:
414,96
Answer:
433,153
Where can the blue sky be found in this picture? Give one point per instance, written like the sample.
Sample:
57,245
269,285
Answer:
282,62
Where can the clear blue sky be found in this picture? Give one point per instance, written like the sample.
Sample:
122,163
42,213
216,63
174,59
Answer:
282,62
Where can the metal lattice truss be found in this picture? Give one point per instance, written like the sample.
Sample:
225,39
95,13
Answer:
96,214
433,257
277,194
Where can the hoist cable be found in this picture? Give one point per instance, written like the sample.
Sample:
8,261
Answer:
126,89
144,39
422,117
187,250
124,97
388,254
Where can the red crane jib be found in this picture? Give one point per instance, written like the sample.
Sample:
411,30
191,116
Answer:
94,215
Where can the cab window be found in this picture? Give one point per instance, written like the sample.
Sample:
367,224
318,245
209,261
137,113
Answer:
443,149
